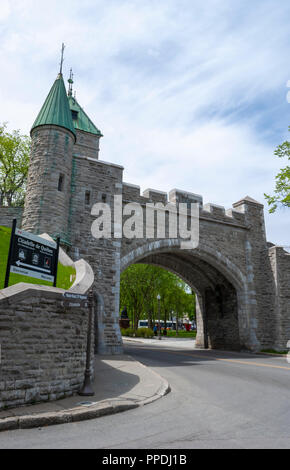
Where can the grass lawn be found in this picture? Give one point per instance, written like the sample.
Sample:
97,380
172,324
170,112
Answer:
64,275
273,351
181,334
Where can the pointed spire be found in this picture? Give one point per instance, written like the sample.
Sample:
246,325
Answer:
62,58
56,108
70,81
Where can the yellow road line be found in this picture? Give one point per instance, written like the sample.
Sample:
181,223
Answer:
237,361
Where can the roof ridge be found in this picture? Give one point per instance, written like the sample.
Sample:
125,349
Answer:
79,123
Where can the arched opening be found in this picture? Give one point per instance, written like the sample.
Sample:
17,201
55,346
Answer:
219,312
153,296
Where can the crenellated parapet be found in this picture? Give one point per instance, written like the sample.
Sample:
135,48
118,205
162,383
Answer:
236,215
155,196
177,196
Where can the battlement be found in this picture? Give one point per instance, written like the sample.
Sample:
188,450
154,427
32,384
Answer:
156,196
215,210
237,215
131,192
177,196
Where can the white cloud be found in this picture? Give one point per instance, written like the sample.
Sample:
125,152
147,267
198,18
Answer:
165,82
4,10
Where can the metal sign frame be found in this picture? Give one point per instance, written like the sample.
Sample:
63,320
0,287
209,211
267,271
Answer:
32,256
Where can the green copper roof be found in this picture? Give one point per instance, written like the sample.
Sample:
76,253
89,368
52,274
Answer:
56,108
81,121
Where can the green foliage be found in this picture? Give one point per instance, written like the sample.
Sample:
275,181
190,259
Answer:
14,161
273,351
282,189
181,334
127,331
144,333
140,285
140,333
65,273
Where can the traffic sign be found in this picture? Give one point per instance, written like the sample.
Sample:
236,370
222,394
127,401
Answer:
75,300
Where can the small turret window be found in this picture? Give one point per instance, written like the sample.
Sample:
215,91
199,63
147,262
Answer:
60,182
74,115
88,198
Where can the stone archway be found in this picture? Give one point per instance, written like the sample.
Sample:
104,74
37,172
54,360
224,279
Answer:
220,287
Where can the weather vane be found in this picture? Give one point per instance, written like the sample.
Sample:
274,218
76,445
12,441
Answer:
62,58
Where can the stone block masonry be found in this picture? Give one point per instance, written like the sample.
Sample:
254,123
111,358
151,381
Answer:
101,181
43,345
49,182
7,214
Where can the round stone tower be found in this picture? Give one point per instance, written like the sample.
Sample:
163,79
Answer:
47,203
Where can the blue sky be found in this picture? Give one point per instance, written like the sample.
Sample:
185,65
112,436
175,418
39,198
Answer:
189,94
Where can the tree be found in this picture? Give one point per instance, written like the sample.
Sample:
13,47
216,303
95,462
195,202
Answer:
282,190
14,161
137,284
140,285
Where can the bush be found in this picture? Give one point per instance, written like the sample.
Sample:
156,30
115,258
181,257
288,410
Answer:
127,331
140,333
149,333
144,333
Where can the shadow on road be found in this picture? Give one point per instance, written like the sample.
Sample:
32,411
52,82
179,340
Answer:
182,357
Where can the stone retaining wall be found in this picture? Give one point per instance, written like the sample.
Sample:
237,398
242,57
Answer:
7,214
43,344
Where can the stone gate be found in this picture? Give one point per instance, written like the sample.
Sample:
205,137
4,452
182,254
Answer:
241,280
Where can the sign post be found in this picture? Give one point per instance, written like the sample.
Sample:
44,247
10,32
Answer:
32,256
10,254
87,389
56,264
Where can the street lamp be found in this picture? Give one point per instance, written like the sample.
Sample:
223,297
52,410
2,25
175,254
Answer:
159,325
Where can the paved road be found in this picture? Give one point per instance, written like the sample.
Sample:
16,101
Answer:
218,400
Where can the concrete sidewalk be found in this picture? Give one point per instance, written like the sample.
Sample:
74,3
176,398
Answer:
120,384
180,343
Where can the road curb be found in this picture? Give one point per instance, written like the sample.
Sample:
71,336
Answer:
270,354
73,415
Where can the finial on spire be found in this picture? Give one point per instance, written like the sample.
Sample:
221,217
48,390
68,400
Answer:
62,58
70,81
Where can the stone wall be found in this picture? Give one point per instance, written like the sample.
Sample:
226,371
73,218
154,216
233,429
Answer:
7,214
87,145
43,346
97,181
43,343
280,264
